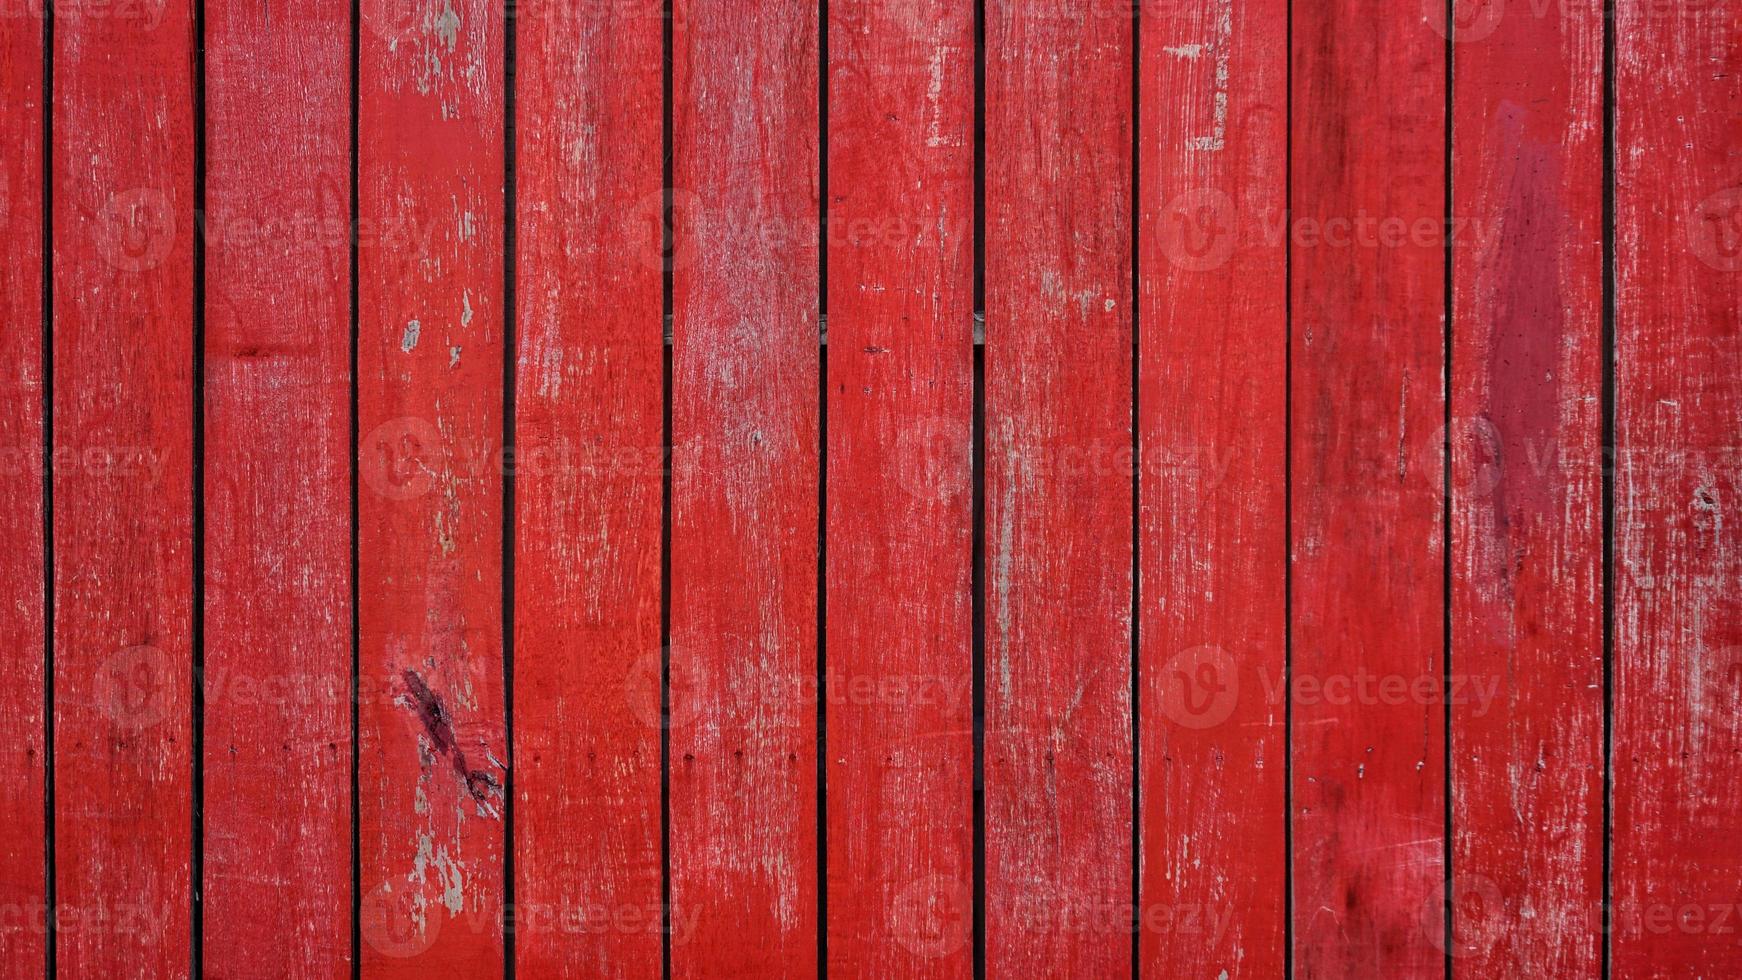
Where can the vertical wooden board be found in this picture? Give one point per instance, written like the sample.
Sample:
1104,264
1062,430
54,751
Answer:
1526,436
277,813
430,373
1058,780
123,233
588,482
899,653
1367,471
745,398
1212,400
1678,555
23,871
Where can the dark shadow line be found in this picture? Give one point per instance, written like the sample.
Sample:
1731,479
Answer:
51,938
197,863
510,403
1610,459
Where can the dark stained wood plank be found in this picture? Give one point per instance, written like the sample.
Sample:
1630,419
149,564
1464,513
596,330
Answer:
123,227
1058,805
1368,406
1526,437
1678,554
277,814
745,429
23,870
1213,401
430,375
900,489
588,478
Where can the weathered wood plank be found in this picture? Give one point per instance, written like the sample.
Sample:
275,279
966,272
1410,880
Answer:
900,489
1213,401
1058,507
588,477
1678,553
1368,404
277,816
1526,437
23,870
745,429
430,372
123,227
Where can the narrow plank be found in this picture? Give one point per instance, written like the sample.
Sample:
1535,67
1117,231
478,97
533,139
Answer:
1213,403
899,650
277,814
1678,554
588,480
1527,549
1058,780
123,233
23,869
744,489
1368,404
429,354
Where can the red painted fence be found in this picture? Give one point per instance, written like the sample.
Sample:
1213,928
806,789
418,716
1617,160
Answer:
909,488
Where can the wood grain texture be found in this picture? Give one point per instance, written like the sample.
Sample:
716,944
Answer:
1213,402
1678,556
123,227
900,489
588,480
1058,489
1367,472
277,814
1526,437
745,430
430,375
23,869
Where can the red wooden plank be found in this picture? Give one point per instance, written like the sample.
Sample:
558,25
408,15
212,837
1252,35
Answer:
1214,344
277,820
23,874
744,489
900,489
1058,489
1527,550
429,349
1678,555
588,464
1367,474
123,165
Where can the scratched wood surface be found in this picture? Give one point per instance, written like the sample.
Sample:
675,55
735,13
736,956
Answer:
23,865
1226,593
430,348
587,491
1677,551
277,749
1526,485
1366,471
1213,538
746,433
1058,747
899,489
123,406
